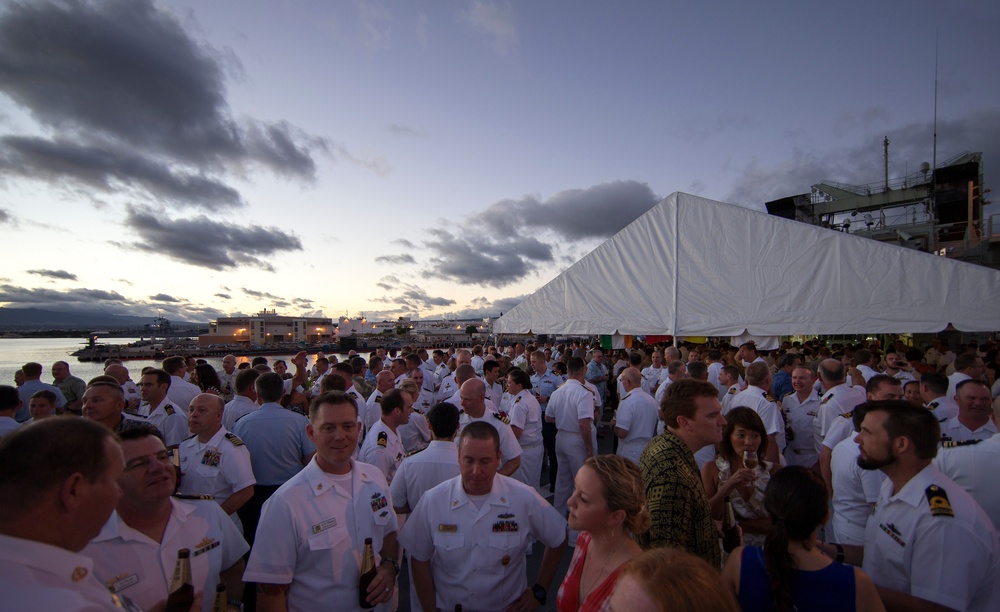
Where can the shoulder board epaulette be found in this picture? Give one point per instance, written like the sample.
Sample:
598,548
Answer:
826,399
234,439
957,443
189,437
787,394
414,452
847,415
198,497
938,500
383,439
500,417
932,405
378,400
518,399
169,409
732,391
768,397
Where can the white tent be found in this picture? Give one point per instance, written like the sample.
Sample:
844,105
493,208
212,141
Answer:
696,267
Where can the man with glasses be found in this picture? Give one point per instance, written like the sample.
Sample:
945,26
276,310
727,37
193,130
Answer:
136,551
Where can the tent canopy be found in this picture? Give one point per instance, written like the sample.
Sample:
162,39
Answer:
695,267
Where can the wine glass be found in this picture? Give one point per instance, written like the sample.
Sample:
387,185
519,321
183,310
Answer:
750,459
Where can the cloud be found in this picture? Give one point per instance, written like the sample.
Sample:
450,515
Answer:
388,282
163,297
409,297
200,241
405,131
137,102
482,308
260,294
56,274
513,239
395,259
224,296
5,216
49,297
495,20
374,26
403,242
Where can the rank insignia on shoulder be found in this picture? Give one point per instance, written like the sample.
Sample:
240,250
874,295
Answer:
848,415
189,437
957,443
414,452
169,409
732,391
501,417
768,397
932,405
234,439
787,394
383,439
938,500
826,399
518,399
198,496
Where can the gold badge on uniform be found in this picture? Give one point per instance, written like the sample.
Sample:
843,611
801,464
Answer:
938,500
505,561
79,574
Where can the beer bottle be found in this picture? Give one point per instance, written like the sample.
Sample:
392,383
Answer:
367,574
221,602
730,532
181,596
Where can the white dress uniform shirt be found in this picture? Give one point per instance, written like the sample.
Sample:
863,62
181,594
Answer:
383,449
526,414
170,421
637,414
714,369
312,534
446,390
131,391
943,407
953,429
240,406
36,576
359,399
416,434
568,405
132,565
867,372
374,409
422,471
974,468
855,491
509,448
954,380
947,553
477,365
841,429
839,400
476,547
219,467
727,399
456,401
228,382
494,393
182,392
761,402
802,419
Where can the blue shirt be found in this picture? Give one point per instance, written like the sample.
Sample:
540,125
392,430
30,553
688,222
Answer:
544,384
781,385
277,440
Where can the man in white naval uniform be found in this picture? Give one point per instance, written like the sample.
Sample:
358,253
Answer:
161,411
801,407
491,374
729,378
967,365
465,373
927,540
58,486
838,398
526,422
651,375
972,465
974,411
181,392
934,393
637,416
425,469
136,551
757,397
467,538
866,362
384,381
312,531
473,400
382,447
214,461
572,409
855,490
244,398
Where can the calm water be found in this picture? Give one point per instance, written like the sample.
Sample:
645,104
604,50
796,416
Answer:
15,352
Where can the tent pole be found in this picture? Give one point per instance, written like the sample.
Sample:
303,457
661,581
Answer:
677,239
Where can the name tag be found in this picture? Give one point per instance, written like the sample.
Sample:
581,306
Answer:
324,525
448,528
122,582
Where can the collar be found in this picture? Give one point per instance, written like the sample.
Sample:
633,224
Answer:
272,406
214,442
914,491
116,527
242,399
320,482
161,406
499,494
954,422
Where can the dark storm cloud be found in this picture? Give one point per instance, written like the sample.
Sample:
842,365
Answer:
163,297
200,241
111,170
134,98
513,239
41,297
409,297
395,259
56,274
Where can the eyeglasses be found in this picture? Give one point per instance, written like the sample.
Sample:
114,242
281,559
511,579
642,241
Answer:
165,457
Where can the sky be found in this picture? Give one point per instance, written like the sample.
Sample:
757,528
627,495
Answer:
437,159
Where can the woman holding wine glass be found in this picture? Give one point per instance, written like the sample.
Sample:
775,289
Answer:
738,473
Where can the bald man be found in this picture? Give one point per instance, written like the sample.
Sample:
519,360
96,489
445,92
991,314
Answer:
636,418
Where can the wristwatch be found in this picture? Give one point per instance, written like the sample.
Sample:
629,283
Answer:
539,593
392,561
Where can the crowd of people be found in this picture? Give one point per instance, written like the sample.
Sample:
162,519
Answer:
857,478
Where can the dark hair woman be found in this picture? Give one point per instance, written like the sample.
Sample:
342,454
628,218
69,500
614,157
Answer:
790,573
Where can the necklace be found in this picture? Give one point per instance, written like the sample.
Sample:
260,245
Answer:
597,580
